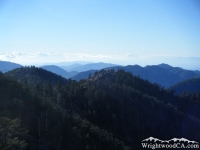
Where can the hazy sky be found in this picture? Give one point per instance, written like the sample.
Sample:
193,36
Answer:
117,31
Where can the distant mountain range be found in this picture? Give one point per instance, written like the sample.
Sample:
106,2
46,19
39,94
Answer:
162,74
70,67
71,63
6,66
72,70
67,63
91,66
59,71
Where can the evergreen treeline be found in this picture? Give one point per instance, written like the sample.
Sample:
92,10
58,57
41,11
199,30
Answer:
109,111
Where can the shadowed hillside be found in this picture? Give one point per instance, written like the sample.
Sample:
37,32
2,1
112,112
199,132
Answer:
190,85
110,110
33,76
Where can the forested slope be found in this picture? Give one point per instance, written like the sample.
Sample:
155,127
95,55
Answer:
32,76
133,109
107,111
35,118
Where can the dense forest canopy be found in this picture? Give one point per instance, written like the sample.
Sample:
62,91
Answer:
109,110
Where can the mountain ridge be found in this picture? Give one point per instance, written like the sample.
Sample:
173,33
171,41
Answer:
163,75
33,76
92,66
6,66
60,71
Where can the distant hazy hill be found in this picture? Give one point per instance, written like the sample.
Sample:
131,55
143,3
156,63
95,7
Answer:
197,71
33,76
71,63
163,74
92,66
7,66
59,71
70,67
190,85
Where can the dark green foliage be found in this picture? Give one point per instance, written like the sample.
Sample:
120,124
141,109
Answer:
110,111
49,125
133,109
11,135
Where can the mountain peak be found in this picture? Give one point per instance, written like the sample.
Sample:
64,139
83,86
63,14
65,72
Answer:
165,66
35,75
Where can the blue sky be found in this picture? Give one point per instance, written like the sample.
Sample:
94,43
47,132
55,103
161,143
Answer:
122,32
